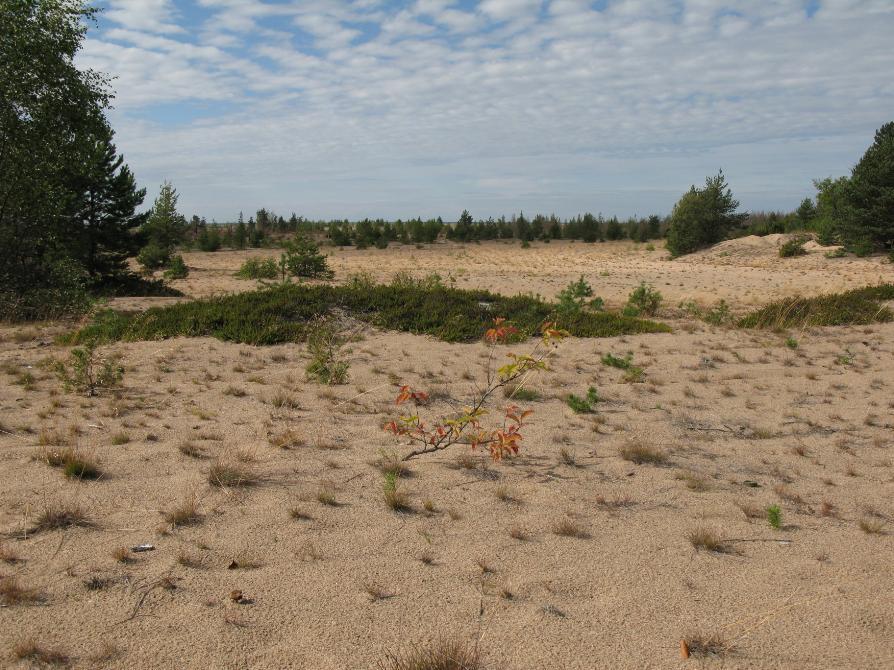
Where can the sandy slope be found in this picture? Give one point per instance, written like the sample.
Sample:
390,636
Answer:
811,426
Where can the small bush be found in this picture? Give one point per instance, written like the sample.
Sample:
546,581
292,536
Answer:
325,344
302,258
794,247
583,405
154,257
573,298
719,314
644,300
87,373
176,268
613,361
258,268
774,516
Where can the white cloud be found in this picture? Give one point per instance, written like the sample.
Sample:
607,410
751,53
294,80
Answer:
424,104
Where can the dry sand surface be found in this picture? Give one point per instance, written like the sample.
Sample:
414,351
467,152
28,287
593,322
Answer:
746,272
332,578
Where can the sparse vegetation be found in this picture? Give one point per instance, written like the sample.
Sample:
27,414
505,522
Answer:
86,372
858,307
639,453
287,313
231,474
583,405
707,540
774,516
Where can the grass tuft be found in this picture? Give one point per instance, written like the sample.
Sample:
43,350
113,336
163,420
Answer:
441,655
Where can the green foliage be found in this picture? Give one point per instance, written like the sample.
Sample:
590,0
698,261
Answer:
176,268
837,253
774,516
63,291
793,247
258,268
325,343
857,307
702,217
613,361
68,200
870,224
302,258
209,239
858,211
283,314
165,227
645,299
573,297
87,373
153,256
791,343
718,315
584,405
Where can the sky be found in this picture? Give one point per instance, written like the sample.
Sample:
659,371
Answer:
395,109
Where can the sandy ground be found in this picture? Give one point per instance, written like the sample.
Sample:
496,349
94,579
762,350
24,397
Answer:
744,421
746,272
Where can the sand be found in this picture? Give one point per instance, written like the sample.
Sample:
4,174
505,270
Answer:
744,421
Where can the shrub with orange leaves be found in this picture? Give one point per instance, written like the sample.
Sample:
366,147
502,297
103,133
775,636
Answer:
465,427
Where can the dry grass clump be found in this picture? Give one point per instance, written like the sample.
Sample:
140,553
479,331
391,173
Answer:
396,498
441,655
871,526
568,527
288,439
229,474
704,538
75,464
639,453
326,495
60,515
191,450
121,554
8,555
700,644
13,593
389,461
31,650
186,513
693,480
282,399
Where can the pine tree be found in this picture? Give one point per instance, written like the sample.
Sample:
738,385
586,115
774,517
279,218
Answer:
104,219
165,227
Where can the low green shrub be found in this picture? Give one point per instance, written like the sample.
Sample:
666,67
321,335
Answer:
325,343
794,247
583,405
284,313
644,300
258,268
87,372
857,307
154,257
176,268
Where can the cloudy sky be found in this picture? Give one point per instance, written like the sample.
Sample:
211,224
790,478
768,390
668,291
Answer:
354,108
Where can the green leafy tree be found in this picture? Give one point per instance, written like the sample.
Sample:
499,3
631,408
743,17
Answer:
702,217
66,200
